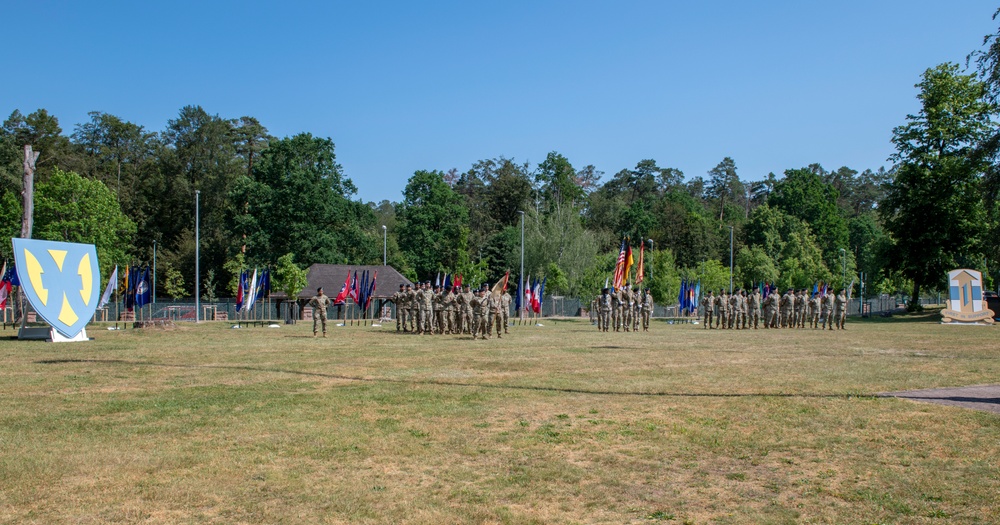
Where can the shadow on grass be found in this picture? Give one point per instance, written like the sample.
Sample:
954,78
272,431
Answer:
929,317
853,395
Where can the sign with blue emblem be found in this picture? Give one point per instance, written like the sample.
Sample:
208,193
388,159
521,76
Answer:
966,301
60,280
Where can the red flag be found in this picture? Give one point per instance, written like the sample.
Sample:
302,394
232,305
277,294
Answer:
536,303
354,293
342,296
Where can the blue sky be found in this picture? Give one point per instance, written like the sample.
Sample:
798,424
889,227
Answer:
403,86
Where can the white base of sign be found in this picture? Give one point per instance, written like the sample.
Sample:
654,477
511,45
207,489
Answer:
56,337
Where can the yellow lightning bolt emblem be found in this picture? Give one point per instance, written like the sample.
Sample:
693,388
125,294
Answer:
35,276
87,277
66,314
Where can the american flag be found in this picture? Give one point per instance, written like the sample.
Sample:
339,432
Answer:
620,268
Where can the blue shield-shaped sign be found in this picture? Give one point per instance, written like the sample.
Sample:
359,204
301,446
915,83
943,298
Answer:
60,280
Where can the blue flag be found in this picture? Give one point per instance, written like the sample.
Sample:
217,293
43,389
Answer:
517,299
681,295
143,290
264,284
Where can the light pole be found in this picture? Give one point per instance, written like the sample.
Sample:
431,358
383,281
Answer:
730,259
197,256
385,241
154,271
843,254
520,280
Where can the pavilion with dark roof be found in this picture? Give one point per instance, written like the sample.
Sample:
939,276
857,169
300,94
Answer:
331,278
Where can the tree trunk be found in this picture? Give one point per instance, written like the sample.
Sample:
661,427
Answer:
28,201
914,298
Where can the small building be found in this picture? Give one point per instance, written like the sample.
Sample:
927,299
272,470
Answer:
331,277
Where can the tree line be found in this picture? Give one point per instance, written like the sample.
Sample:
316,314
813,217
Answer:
116,184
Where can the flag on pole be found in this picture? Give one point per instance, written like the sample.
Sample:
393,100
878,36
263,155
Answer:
344,290
110,288
4,286
264,285
500,286
527,293
696,295
517,298
680,295
619,276
371,290
250,294
458,280
131,276
437,281
640,272
353,290
541,296
536,300
629,262
13,277
240,291
142,288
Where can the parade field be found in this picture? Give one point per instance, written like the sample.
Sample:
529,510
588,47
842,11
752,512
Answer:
552,424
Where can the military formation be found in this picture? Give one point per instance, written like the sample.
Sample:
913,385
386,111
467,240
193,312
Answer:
793,309
623,309
430,310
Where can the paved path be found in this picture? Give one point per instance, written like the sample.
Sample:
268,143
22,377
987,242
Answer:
979,397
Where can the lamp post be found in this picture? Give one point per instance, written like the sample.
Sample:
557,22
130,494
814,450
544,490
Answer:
197,256
385,244
730,259
843,255
520,279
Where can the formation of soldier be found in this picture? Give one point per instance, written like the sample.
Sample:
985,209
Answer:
623,309
794,309
427,310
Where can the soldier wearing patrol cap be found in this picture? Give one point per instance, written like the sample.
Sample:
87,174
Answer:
397,299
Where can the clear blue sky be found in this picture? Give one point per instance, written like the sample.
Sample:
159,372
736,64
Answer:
403,86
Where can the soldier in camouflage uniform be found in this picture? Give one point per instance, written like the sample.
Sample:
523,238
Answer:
605,306
786,306
753,305
637,308
495,318
734,309
479,311
450,305
319,303
646,309
813,314
397,299
616,309
826,310
802,307
707,308
724,309
840,308
440,325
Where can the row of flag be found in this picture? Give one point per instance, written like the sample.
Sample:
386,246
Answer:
252,288
531,298
623,267
448,281
360,290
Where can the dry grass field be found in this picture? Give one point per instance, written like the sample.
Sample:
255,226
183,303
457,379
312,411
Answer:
553,424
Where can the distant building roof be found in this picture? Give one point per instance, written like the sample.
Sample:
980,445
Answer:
331,278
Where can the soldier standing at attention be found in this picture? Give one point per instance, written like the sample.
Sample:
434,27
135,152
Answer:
646,309
723,321
421,313
605,305
802,304
707,307
505,300
734,310
753,304
319,303
460,301
450,319
784,306
469,296
493,301
840,308
428,309
814,307
397,299
616,309
411,303
745,309
478,305
440,324
826,310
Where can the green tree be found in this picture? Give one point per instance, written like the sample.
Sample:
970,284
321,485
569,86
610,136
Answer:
803,194
173,283
934,208
288,277
73,209
435,221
